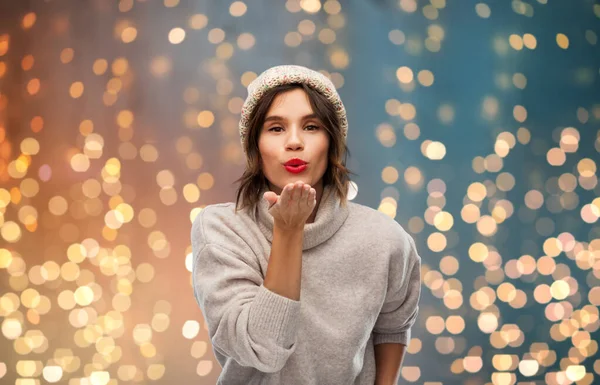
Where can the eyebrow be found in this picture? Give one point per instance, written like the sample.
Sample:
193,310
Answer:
277,118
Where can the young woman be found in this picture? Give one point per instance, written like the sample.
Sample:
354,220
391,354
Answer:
298,285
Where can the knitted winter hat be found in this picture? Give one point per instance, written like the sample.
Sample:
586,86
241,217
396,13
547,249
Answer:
286,74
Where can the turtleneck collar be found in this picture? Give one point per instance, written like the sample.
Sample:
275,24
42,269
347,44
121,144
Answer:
330,217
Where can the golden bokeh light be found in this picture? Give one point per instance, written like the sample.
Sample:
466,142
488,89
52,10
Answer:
237,8
404,74
176,35
562,40
483,10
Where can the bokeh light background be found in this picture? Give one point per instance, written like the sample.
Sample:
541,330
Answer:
474,124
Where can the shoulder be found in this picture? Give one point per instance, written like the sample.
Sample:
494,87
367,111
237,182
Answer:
376,220
227,234
218,211
215,222
381,225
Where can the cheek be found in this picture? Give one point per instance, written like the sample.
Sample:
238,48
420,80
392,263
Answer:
269,162
325,150
323,161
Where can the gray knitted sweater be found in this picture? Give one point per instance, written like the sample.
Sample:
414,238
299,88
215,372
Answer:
360,287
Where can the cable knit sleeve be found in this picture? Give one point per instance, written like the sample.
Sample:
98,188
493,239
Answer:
246,321
401,306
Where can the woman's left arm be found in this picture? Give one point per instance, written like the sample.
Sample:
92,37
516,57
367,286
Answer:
388,359
392,330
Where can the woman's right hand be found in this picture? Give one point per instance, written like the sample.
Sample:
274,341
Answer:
291,209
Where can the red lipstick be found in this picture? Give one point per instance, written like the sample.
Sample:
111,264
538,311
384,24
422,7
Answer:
295,165
295,170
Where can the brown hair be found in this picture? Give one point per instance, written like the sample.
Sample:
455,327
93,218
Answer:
253,180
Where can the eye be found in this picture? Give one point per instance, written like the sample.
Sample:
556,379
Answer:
279,128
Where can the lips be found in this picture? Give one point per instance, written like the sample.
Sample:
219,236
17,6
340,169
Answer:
295,170
295,162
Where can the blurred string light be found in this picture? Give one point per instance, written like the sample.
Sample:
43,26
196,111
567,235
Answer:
84,237
564,289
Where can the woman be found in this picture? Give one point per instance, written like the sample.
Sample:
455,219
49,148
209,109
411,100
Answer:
297,284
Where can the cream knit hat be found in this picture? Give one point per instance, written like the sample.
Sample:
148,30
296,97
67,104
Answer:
286,74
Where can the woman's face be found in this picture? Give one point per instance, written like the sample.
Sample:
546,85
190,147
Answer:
291,130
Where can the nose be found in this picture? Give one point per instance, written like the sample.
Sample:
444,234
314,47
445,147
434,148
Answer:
294,139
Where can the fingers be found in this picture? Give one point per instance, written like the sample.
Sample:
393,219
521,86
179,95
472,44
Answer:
298,192
305,192
295,192
285,195
312,197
